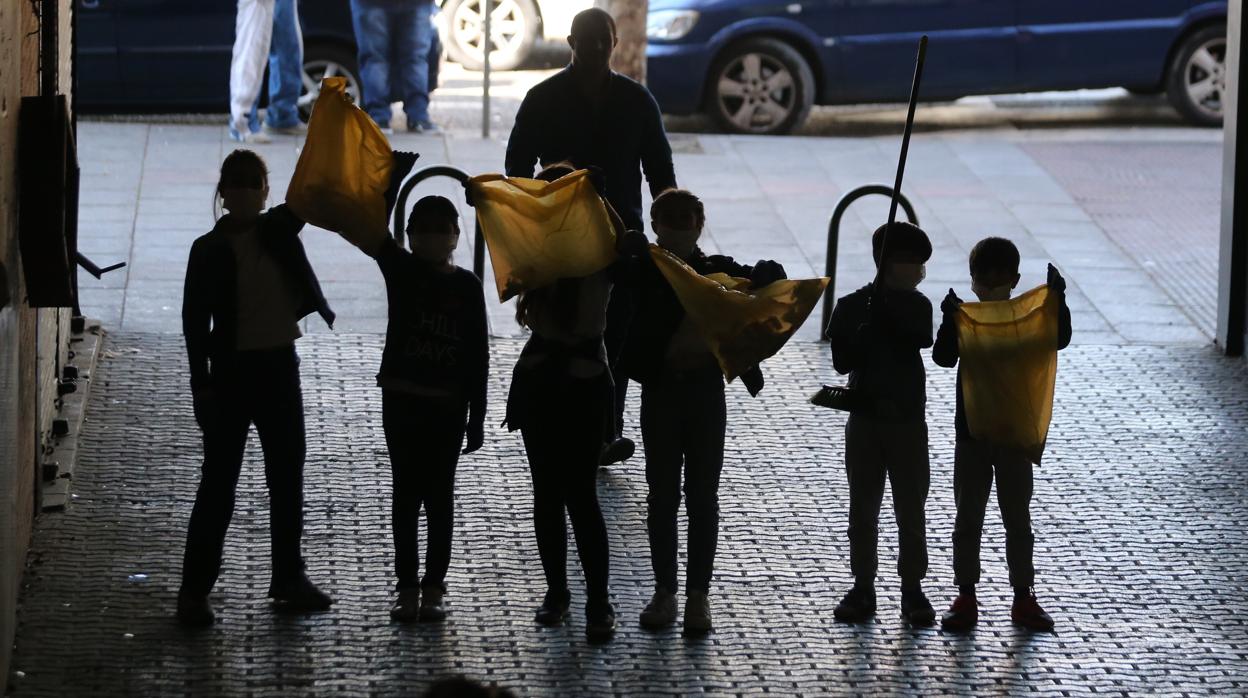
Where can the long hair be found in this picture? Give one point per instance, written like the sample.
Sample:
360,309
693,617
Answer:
549,173
241,168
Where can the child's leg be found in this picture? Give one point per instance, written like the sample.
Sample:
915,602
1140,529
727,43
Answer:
225,437
1014,488
579,447
864,465
542,446
398,420
972,485
662,419
279,424
908,471
444,437
704,459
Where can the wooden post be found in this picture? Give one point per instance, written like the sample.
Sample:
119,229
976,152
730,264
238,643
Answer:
629,57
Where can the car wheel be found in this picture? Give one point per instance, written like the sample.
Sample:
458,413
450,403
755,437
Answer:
760,86
326,62
513,24
1197,79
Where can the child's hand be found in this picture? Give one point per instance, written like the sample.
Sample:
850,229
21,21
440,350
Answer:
468,193
633,243
753,381
1056,283
765,272
476,438
951,303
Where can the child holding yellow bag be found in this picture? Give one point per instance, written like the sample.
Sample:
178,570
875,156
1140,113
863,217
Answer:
994,275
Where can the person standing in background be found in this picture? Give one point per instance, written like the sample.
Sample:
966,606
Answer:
401,29
253,31
285,72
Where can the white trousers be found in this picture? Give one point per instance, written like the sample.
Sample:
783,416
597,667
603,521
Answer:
253,29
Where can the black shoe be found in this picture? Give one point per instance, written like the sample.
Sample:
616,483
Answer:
858,606
599,621
194,611
299,596
916,609
554,608
432,609
407,608
617,451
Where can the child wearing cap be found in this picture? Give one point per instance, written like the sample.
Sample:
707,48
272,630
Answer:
877,334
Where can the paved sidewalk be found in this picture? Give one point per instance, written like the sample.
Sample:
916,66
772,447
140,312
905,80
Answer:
1126,214
1139,515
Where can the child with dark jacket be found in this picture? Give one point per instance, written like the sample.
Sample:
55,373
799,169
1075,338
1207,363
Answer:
248,284
876,336
433,378
683,412
994,275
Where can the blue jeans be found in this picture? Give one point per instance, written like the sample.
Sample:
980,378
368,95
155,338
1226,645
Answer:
394,41
285,69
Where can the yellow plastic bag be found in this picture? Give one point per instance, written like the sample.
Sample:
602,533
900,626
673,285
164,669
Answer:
1008,351
343,172
538,232
742,327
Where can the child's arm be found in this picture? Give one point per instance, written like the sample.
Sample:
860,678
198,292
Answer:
945,351
845,336
479,363
283,221
197,329
1057,284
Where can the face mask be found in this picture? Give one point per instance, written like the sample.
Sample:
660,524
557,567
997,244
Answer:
991,294
244,202
678,242
995,293
434,247
904,277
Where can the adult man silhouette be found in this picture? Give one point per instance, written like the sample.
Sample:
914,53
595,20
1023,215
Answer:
591,116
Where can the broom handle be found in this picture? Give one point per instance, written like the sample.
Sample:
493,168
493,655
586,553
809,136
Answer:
905,150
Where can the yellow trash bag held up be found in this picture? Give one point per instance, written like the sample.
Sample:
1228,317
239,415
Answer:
1008,351
538,232
343,172
742,327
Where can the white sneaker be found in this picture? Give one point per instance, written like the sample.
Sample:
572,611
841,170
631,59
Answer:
697,614
661,611
258,137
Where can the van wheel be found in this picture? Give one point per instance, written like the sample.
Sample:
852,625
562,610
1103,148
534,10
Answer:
1196,82
514,25
326,61
760,86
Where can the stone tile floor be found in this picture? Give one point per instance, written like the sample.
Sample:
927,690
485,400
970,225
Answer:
1139,514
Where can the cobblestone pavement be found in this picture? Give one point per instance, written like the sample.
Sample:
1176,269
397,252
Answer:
1139,513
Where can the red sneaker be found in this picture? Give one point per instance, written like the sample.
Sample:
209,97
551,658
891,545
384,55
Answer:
962,615
1027,613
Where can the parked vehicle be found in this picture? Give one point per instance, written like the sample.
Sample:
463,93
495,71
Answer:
161,55
757,66
516,26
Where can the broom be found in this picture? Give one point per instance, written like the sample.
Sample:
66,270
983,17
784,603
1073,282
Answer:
843,397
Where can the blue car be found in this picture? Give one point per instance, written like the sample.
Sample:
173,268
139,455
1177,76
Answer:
757,66
162,55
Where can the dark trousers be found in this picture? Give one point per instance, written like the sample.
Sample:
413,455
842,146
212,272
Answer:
620,311
875,450
424,437
261,388
563,438
682,429
974,465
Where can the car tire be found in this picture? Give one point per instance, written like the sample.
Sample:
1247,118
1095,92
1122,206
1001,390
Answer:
1196,80
464,30
739,98
327,60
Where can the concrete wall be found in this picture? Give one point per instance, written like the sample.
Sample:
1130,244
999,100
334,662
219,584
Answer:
33,343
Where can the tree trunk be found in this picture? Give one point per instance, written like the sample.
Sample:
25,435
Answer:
630,23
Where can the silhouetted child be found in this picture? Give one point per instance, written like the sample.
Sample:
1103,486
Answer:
683,412
994,275
877,334
248,284
561,397
434,372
